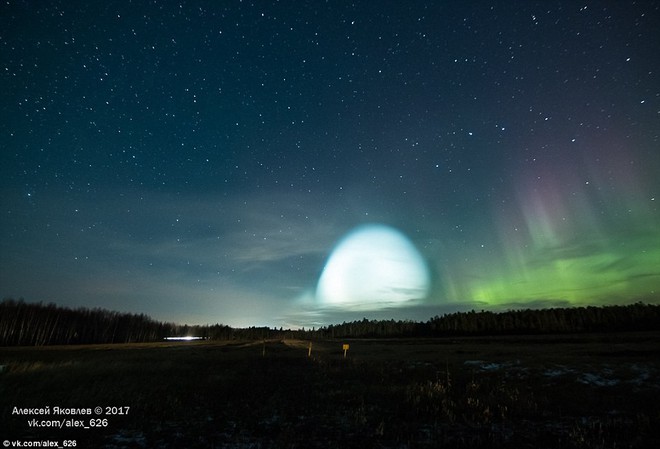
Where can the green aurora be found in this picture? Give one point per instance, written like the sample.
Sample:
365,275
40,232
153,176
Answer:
582,242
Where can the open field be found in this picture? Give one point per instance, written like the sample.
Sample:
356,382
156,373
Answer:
564,391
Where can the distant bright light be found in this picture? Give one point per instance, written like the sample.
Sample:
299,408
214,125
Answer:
183,338
373,267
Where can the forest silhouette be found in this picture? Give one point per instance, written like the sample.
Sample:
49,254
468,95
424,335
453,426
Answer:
38,324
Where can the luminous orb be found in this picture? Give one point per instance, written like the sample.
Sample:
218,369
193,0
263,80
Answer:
373,267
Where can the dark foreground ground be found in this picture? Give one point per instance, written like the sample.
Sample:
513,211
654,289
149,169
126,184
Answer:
582,391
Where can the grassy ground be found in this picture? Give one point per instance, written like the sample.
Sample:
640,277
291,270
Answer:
594,391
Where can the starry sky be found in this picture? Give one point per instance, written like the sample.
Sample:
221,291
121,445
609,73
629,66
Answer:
199,161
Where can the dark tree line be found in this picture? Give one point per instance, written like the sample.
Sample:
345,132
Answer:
634,317
613,318
37,324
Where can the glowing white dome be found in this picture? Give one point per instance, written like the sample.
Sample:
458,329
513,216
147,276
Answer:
373,267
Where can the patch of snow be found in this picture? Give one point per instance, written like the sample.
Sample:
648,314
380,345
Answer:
643,376
557,371
126,438
473,362
491,366
597,380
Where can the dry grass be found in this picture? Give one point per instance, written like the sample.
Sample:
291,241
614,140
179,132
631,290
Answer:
599,391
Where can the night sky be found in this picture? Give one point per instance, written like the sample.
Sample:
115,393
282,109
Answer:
200,161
